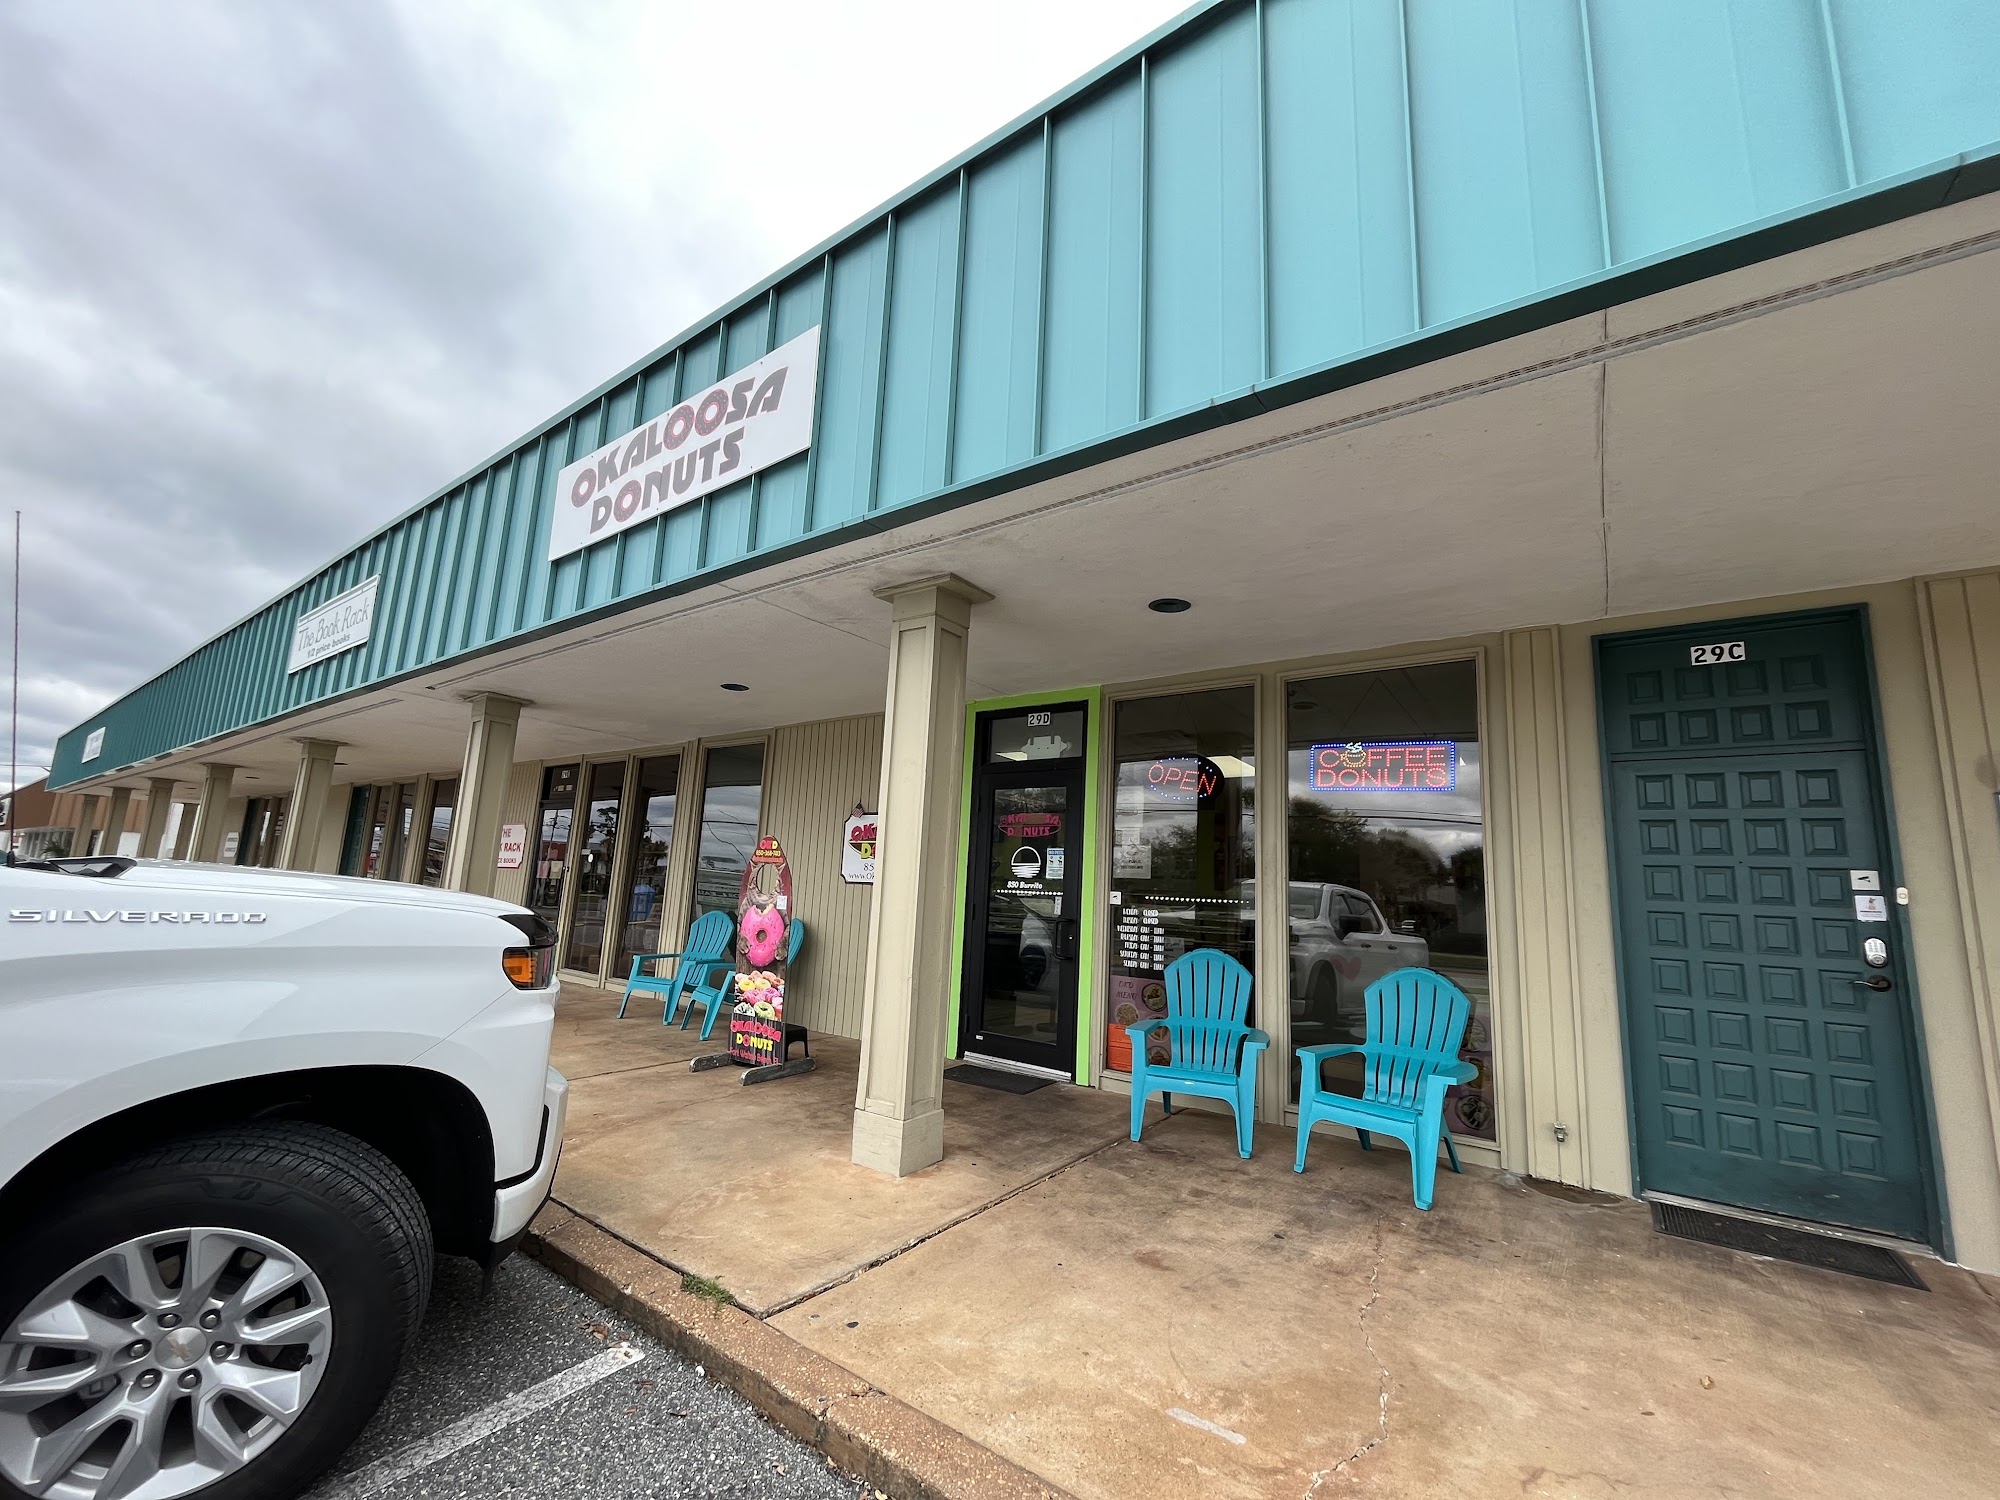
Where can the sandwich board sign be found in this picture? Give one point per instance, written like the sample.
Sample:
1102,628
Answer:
759,1037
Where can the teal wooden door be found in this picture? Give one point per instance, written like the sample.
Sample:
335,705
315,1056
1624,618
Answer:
1744,794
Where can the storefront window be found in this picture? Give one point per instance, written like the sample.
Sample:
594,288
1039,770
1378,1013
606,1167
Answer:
653,802
1388,859
551,866
731,803
437,839
1184,841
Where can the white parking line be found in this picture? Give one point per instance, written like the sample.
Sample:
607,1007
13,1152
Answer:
1181,1415
372,1479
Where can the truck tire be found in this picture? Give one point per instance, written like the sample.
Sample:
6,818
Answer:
222,1313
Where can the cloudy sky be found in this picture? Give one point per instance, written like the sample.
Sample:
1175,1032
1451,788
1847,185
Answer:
269,274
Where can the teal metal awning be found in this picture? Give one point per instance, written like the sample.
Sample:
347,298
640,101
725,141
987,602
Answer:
1264,201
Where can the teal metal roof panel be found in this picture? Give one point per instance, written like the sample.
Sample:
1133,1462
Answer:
1264,200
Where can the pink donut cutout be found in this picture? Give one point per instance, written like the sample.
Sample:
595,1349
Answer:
763,935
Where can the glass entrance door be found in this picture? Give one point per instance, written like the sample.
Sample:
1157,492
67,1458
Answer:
655,794
1024,891
596,845
549,875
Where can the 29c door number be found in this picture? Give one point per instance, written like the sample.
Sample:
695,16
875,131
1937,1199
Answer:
1720,651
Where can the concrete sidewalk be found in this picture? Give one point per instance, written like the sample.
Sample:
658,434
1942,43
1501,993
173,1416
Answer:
1164,1319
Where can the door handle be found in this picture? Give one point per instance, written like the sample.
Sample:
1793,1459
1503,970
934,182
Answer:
1876,982
1067,932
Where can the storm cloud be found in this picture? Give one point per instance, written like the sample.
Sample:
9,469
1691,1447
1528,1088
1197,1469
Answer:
271,274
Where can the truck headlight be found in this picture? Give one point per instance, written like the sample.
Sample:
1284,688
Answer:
533,966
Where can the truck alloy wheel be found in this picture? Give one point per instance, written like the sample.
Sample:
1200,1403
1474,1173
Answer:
214,1317
162,1364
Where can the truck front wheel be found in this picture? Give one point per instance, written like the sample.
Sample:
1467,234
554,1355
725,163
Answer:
218,1316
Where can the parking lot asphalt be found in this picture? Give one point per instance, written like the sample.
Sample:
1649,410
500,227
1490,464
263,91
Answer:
523,1391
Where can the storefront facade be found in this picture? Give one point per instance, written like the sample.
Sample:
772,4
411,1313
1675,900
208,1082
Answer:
1618,640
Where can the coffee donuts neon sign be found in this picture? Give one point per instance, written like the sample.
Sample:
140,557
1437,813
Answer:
1386,766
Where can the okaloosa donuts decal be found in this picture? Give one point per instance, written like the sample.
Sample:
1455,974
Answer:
720,436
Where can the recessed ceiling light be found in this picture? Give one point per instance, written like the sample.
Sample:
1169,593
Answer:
1305,703
1169,606
736,687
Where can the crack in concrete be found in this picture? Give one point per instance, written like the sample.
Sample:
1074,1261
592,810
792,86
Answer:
801,1298
1320,1476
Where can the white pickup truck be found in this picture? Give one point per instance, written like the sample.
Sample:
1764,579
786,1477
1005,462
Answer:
239,1111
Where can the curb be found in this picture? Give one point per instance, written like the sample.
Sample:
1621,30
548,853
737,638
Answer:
867,1432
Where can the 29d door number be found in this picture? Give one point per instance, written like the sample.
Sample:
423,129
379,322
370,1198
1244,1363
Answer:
1720,651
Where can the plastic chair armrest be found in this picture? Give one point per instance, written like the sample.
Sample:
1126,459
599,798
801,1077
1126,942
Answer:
1458,1072
1331,1049
1140,1028
1256,1038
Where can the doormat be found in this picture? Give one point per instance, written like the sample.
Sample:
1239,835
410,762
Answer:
1801,1246
996,1078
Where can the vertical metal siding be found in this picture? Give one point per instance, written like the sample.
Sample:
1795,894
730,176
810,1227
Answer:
1504,174
850,372
1090,364
1918,78
994,422
923,287
816,775
1265,187
1682,164
1204,322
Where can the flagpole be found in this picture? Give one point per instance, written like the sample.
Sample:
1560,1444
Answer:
14,708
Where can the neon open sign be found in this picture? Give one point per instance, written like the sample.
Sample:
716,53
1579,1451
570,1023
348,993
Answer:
1184,778
1386,766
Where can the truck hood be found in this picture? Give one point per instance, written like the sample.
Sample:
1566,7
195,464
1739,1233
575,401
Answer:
236,880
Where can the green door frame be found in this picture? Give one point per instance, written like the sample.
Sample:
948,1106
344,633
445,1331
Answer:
1093,769
1927,1143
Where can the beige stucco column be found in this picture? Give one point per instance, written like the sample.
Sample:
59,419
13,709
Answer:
184,832
159,798
312,786
470,865
89,806
217,782
114,820
899,1102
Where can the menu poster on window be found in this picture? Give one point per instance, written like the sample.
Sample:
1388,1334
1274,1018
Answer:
763,935
1135,998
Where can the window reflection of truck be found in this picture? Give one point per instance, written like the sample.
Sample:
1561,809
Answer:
1037,943
1340,943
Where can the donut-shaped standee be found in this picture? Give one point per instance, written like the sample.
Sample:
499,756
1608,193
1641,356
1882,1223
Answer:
763,932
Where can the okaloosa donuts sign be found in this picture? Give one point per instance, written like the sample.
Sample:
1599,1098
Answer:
720,436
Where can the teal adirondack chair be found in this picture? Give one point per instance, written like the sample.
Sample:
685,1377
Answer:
1214,1053
714,993
707,947
1416,1020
